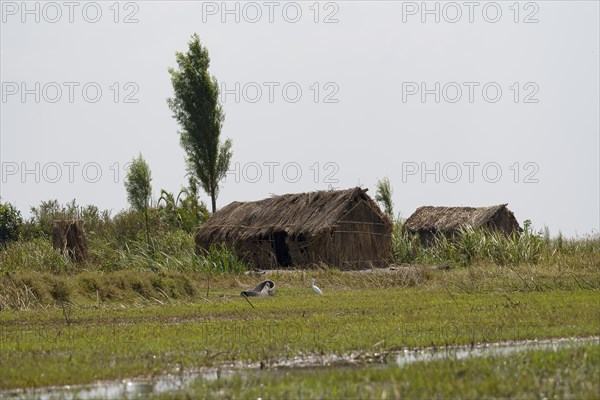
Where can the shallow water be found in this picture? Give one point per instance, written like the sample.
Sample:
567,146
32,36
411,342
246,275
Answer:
502,349
167,383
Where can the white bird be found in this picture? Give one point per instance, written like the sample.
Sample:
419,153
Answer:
315,288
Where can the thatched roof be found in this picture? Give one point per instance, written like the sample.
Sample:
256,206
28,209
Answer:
447,219
305,214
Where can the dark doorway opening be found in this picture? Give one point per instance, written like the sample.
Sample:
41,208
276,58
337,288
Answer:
282,252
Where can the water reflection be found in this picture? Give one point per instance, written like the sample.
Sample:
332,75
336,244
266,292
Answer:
168,383
502,349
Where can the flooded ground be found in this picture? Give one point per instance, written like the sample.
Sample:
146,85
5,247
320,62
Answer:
502,349
178,381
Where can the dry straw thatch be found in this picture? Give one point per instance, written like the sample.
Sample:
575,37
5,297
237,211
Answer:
428,221
344,228
68,236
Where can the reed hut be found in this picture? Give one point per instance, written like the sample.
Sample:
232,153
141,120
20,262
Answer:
344,228
429,221
68,237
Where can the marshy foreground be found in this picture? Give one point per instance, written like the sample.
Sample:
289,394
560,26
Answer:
369,335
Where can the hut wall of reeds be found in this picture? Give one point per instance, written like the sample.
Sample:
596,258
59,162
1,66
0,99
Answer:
344,228
68,237
429,221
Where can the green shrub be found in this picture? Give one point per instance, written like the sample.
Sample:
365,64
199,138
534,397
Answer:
10,223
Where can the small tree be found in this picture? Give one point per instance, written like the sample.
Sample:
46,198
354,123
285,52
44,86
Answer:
139,189
197,109
10,223
383,196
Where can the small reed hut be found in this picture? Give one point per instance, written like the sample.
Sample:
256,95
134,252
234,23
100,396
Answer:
344,228
428,221
68,237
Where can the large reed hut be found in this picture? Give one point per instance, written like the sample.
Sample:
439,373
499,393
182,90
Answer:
428,221
343,228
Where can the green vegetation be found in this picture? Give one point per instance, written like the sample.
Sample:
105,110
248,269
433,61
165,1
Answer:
139,189
119,256
564,374
383,196
130,311
91,340
10,223
197,109
185,212
475,246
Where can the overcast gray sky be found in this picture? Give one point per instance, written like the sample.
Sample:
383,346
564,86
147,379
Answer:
495,102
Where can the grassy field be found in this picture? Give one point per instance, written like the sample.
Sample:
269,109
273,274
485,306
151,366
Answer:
371,313
563,374
123,269
135,311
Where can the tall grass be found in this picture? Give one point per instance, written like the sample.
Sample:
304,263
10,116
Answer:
34,255
118,243
32,274
221,259
175,251
475,245
170,251
406,248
